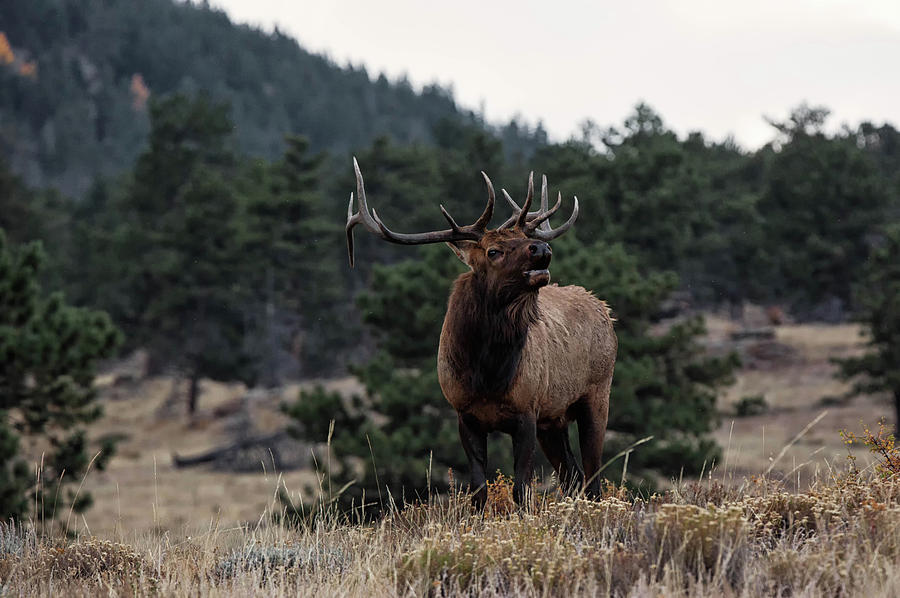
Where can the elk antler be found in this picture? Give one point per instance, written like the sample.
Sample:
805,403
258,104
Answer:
373,223
534,224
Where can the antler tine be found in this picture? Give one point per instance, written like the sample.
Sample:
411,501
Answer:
352,220
523,215
512,203
482,222
534,219
541,220
453,225
516,211
544,202
362,216
549,235
545,225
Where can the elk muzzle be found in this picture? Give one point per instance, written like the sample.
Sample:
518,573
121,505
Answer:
538,274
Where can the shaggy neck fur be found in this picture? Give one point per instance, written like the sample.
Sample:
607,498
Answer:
487,332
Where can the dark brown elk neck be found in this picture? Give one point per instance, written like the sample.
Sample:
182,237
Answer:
486,335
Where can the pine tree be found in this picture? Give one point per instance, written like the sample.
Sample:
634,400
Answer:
878,296
180,245
48,355
665,385
684,205
822,200
403,429
293,250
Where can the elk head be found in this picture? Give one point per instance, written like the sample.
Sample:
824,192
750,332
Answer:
511,259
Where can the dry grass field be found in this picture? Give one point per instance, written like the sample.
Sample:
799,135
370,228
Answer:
795,376
141,491
840,538
778,516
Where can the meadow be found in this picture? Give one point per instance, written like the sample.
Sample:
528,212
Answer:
792,509
838,538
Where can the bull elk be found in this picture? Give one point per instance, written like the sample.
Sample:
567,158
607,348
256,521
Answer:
517,354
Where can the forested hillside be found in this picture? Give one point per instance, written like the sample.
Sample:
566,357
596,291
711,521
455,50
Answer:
76,76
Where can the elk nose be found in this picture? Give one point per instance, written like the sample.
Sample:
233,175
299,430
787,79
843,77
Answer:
539,249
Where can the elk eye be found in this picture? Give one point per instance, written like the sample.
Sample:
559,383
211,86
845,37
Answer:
492,253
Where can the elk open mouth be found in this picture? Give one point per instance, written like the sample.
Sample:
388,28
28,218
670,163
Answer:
537,278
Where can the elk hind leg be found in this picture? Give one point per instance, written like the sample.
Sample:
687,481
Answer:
591,414
555,444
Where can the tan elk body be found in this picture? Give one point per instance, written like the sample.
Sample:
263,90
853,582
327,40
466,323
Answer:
516,354
569,354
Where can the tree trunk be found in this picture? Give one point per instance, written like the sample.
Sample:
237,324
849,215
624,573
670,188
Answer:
897,411
172,404
270,379
193,394
736,310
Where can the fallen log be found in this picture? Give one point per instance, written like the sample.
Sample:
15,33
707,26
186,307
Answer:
233,452
767,333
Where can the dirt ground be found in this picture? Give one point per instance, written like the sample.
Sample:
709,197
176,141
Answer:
799,434
142,491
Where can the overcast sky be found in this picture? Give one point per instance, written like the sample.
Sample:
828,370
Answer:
714,65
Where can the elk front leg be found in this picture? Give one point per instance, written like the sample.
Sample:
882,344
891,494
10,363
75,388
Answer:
524,438
474,441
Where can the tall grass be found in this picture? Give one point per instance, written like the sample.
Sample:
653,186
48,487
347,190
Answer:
841,537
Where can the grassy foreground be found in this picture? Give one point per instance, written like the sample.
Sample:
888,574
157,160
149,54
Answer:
839,538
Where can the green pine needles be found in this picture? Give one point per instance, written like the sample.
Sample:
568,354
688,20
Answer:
48,354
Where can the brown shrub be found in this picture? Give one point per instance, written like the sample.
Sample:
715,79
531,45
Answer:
519,553
609,518
882,444
710,538
81,567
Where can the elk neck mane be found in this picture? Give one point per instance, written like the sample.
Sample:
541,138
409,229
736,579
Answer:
487,333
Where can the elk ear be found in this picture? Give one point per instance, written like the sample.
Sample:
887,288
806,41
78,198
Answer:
462,249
